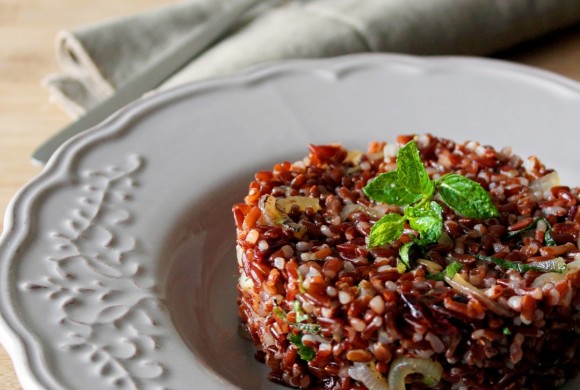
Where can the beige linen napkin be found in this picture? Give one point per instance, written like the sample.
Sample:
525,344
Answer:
96,59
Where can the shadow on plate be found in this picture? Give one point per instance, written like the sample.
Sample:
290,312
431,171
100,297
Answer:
199,267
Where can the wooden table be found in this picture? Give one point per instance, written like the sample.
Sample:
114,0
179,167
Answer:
27,55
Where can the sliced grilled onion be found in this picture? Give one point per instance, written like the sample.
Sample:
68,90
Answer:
544,184
403,366
275,210
272,214
355,208
432,267
367,374
303,202
461,285
554,277
245,283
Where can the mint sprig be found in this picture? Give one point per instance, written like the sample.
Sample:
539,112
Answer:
409,186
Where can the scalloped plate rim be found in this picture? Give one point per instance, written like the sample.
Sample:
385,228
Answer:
14,335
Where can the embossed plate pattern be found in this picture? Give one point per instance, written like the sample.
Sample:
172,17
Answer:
117,264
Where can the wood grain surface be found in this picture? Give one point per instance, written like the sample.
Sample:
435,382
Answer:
28,28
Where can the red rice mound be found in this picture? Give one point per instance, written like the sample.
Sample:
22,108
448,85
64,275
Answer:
316,300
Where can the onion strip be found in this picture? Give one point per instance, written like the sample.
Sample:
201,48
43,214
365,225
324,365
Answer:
275,210
403,366
367,374
461,285
554,277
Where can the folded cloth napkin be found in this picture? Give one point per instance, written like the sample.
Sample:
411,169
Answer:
97,59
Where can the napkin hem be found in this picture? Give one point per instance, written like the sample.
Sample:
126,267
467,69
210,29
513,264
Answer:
74,60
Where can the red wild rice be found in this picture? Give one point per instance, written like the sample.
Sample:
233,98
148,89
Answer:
317,301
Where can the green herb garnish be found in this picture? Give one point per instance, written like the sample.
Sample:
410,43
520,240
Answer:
554,265
427,220
305,352
404,262
410,186
386,189
300,282
307,328
300,316
449,271
506,331
547,235
280,313
465,196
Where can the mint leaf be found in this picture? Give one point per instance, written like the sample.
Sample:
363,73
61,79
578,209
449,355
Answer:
385,188
411,173
386,230
466,197
427,221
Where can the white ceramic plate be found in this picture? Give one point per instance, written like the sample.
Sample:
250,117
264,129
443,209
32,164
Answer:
117,263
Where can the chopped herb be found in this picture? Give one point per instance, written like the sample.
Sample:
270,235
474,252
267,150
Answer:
449,271
300,282
295,339
554,265
305,352
280,313
506,331
305,327
547,235
548,238
404,256
409,186
401,267
300,315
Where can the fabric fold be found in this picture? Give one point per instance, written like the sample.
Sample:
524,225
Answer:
97,59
